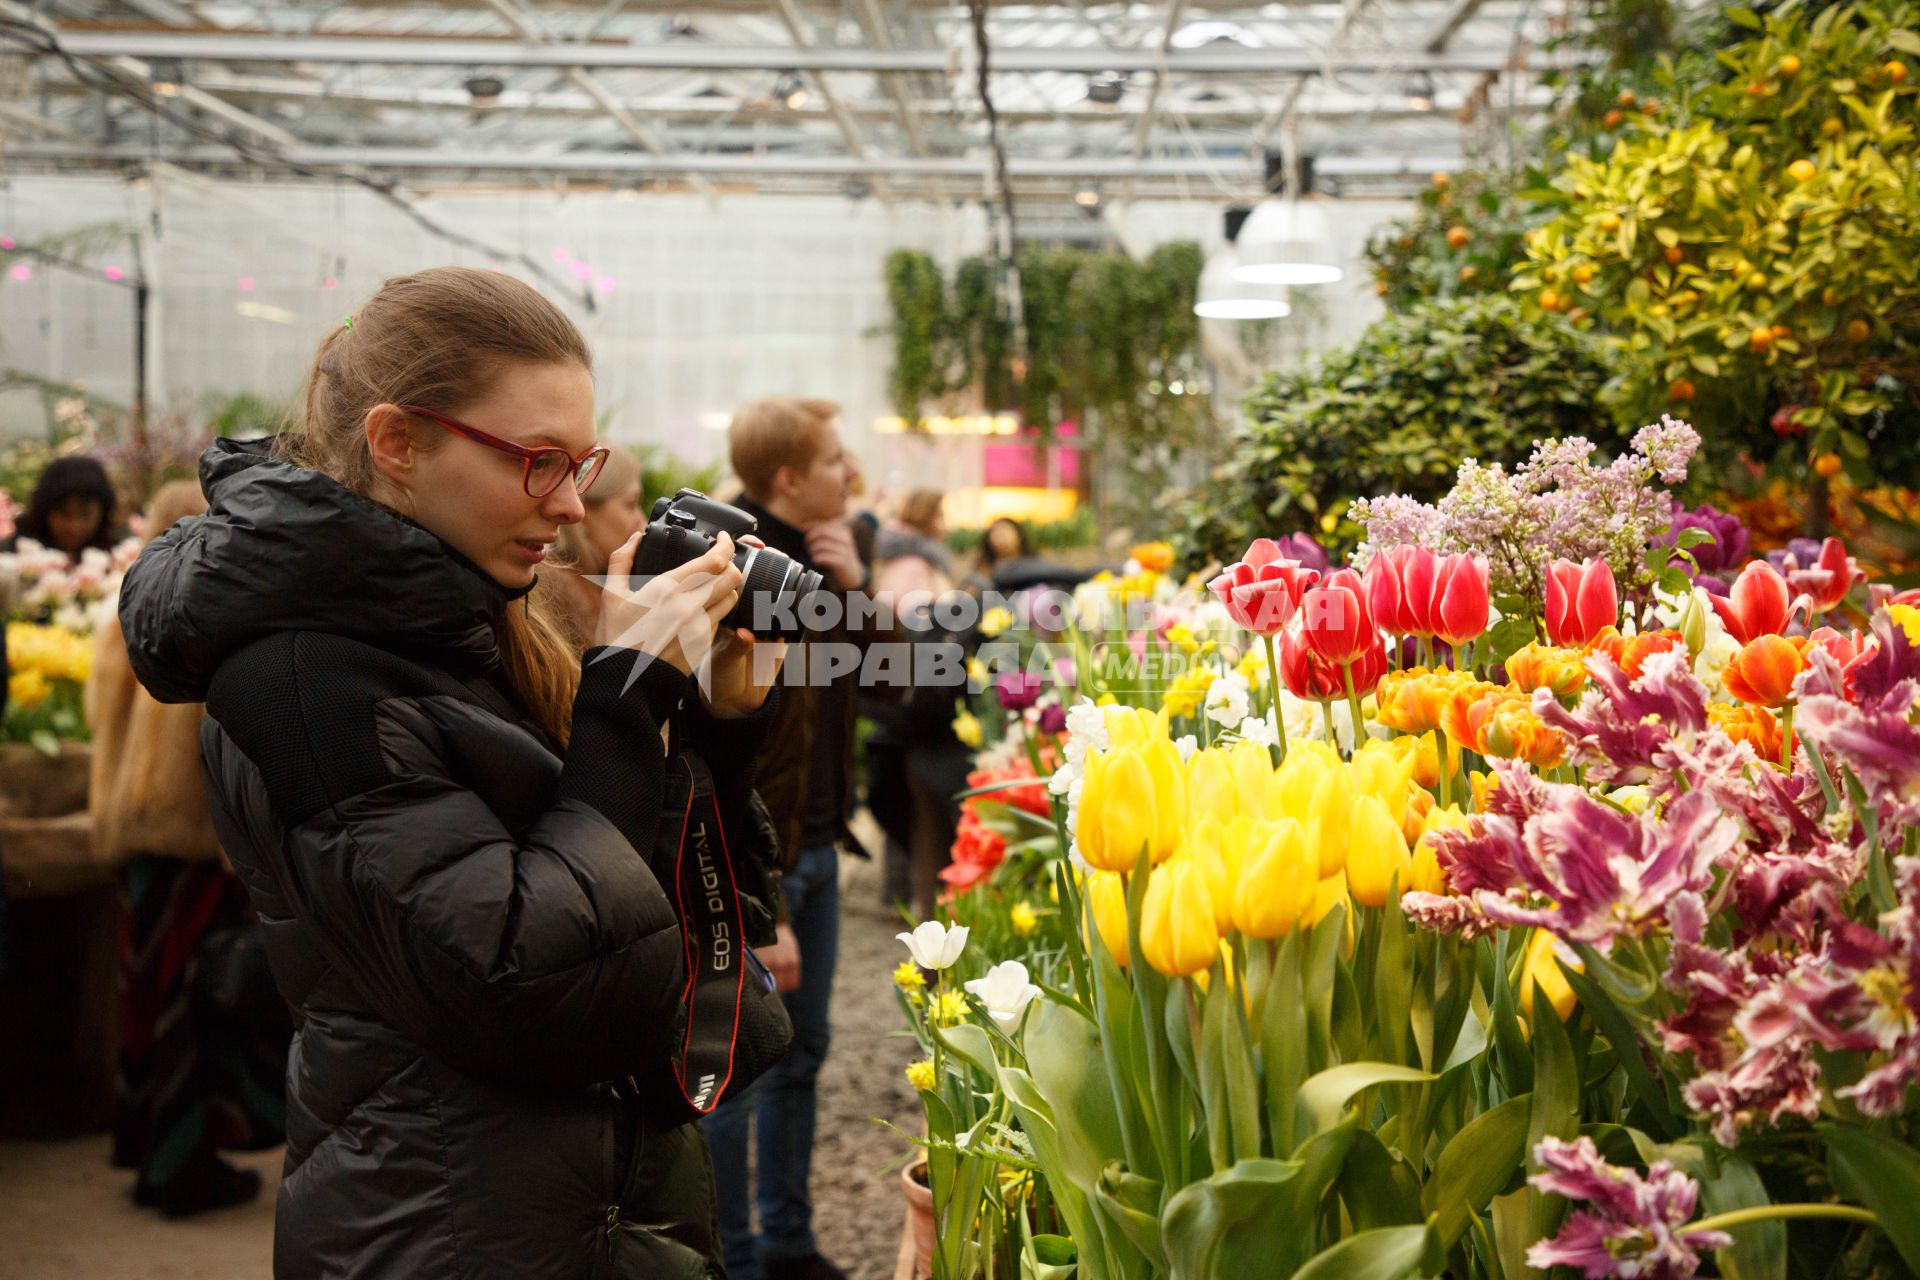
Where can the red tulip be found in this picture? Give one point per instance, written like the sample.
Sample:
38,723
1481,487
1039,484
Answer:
1757,605
1827,582
1335,617
1581,601
1460,599
1262,590
1308,675
1400,590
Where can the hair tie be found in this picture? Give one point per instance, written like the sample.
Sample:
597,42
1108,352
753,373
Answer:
347,323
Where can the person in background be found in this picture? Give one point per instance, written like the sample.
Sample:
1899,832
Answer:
796,478
614,514
1004,542
911,566
71,509
1008,562
190,1080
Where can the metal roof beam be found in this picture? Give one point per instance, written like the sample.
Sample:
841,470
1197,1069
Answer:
849,131
1450,26
624,163
405,51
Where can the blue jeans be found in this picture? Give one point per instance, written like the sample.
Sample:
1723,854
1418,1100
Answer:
782,1101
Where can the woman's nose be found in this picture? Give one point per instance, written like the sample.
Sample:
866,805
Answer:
564,505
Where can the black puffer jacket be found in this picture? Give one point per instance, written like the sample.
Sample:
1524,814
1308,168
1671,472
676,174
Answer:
463,920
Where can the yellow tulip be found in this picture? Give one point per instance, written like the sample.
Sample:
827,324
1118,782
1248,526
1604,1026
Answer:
1116,809
1107,895
1177,930
1427,875
1203,850
1294,782
1252,776
1329,815
1167,777
1275,885
1329,893
1376,852
1210,785
1127,726
1542,969
1384,770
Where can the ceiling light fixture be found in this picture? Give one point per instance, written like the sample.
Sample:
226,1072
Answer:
791,90
167,75
1106,89
485,90
1419,91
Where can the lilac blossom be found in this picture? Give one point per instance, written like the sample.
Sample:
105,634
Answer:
1632,1225
1558,504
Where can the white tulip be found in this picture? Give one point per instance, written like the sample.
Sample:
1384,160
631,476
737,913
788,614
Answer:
1006,992
934,945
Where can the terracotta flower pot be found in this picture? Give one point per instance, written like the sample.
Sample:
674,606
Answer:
913,1180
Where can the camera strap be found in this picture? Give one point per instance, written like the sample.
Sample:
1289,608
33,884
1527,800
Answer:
714,941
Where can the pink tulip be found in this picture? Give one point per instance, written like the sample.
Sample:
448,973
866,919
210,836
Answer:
1829,579
1460,604
1581,601
1757,605
1262,590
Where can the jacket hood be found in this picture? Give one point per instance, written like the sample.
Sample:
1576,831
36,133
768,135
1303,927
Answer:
285,548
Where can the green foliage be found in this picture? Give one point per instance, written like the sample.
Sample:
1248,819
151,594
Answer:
1077,530
1758,246
1414,259
662,474
1395,413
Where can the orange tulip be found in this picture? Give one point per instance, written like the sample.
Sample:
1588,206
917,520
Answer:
1410,700
1467,710
1513,732
1630,653
1541,666
1762,672
1758,729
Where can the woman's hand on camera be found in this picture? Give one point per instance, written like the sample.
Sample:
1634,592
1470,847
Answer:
672,615
742,669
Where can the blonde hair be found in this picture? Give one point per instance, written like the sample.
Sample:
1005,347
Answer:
440,338
920,511
620,472
775,432
172,502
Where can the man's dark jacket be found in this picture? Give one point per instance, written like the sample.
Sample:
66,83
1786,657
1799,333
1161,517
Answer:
462,916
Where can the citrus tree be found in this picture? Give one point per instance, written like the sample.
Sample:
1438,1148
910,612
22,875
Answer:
1754,251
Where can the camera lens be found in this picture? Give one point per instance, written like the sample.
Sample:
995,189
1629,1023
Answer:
772,588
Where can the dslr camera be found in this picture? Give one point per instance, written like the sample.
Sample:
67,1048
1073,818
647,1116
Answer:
685,527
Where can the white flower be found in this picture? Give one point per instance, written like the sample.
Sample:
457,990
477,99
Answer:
935,945
1006,992
1227,699
1186,745
1258,730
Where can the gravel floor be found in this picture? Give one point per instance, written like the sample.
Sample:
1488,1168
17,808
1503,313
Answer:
65,1213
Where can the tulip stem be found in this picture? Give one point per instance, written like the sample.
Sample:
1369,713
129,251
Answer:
1786,736
1273,687
1440,767
1353,705
1326,713
1770,1212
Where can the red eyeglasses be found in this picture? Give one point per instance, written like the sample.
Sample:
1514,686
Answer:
544,467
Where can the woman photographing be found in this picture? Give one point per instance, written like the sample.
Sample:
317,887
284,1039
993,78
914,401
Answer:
459,837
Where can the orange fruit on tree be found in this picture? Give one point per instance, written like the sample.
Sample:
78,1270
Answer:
1583,274
1757,281
1830,297
1756,89
1468,272
1675,255
1780,332
1760,340
1895,71
1441,179
1458,237
1609,222
1858,331
1614,119
1827,464
1651,106
1627,97
1789,65
1549,300
1681,391
1831,126
1802,171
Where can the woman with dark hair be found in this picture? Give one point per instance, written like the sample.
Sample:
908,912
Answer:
504,888
71,508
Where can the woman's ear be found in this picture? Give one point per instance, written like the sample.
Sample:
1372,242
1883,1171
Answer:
390,444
